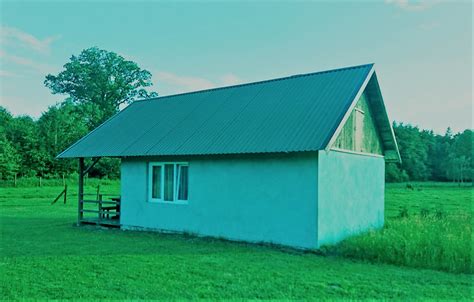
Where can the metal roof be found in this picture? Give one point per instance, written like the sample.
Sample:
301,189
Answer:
291,114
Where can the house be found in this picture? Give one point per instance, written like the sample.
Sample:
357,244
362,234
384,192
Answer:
296,161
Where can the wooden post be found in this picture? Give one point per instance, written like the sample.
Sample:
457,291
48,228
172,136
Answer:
65,193
40,181
15,180
80,191
64,180
100,207
98,191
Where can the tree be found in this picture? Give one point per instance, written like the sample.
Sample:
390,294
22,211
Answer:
393,173
460,165
9,157
5,120
59,127
100,81
426,155
22,133
414,146
439,155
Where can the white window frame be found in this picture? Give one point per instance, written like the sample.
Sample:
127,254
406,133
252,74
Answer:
162,185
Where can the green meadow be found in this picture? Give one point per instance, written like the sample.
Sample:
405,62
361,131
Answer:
426,226
423,252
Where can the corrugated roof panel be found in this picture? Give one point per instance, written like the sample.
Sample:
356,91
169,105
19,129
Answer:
240,133
298,113
342,92
202,142
252,117
168,121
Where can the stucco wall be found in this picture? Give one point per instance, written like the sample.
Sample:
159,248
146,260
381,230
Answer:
350,195
270,198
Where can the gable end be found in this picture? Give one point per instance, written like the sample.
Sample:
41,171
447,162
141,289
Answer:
360,132
366,127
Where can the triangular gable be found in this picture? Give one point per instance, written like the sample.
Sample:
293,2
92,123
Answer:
366,127
360,133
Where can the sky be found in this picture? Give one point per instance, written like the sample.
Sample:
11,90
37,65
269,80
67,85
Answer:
422,50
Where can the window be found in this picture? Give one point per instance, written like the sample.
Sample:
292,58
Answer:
168,182
156,182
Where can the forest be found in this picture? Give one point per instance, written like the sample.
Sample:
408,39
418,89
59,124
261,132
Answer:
97,83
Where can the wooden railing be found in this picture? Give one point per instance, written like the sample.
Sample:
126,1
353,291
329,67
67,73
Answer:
107,212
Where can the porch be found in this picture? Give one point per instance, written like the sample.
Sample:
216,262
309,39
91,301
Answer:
104,211
96,208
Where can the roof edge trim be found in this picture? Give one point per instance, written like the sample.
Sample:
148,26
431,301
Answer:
397,150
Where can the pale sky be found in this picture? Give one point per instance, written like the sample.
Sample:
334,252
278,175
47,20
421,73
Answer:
422,50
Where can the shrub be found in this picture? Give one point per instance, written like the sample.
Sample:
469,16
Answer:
403,212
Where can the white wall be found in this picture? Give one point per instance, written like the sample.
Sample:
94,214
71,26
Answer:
351,195
258,198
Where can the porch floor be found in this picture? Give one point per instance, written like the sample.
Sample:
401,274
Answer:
112,223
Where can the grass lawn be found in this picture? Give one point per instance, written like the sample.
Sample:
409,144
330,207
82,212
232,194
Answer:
43,256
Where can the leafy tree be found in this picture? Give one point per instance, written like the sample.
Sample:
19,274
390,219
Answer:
101,81
426,155
5,120
414,147
463,143
393,173
106,167
439,154
22,133
97,82
460,165
9,157
59,127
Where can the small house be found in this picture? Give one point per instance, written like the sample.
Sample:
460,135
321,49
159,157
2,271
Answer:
296,161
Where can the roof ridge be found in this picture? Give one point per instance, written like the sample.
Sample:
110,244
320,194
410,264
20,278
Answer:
257,82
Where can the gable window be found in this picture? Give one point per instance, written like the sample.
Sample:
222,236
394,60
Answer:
168,182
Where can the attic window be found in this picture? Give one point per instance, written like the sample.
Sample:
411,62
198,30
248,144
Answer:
168,182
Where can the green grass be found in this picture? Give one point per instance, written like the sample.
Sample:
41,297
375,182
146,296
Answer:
43,256
445,197
427,227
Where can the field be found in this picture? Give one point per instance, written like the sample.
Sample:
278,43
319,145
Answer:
43,256
428,226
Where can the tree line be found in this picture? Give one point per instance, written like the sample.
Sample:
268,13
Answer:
97,82
429,156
